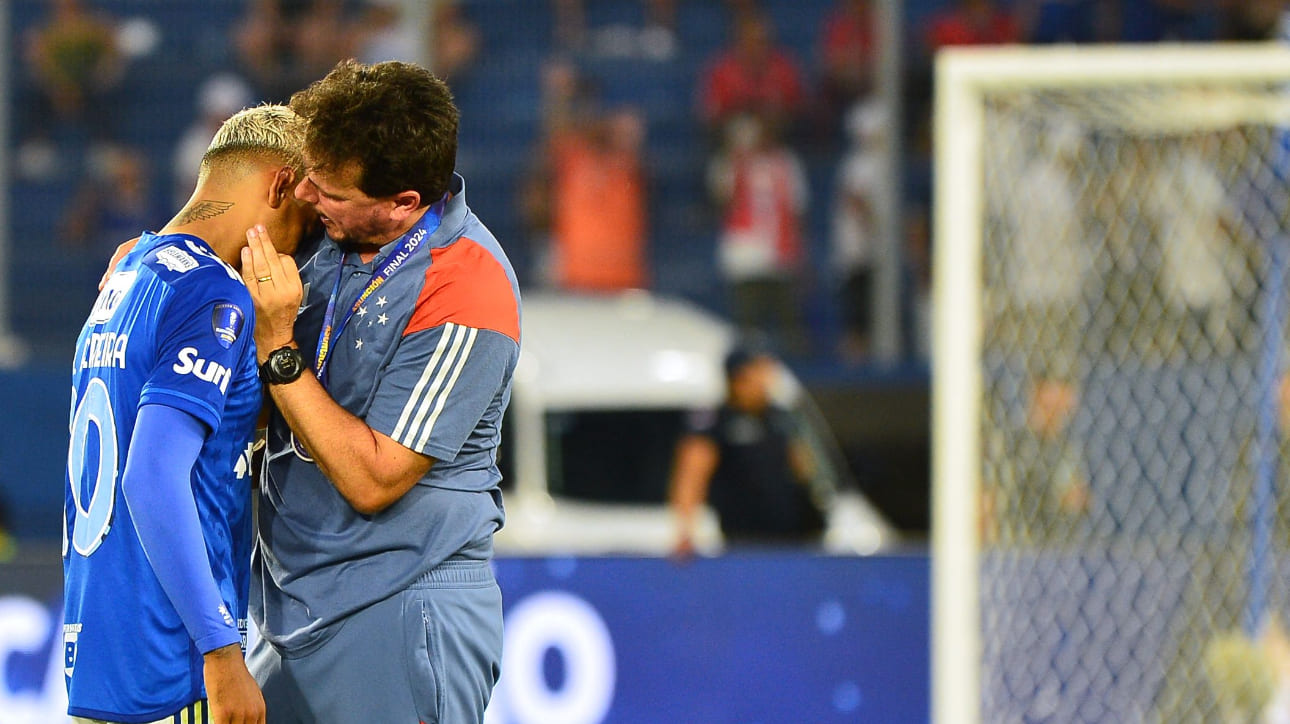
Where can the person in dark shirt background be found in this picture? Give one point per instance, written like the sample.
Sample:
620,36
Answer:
747,461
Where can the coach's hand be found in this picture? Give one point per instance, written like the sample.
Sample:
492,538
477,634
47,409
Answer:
276,290
121,250
232,694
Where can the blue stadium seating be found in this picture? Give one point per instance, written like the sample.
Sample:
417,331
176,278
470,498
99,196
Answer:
500,102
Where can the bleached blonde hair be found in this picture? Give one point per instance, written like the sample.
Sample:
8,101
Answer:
265,130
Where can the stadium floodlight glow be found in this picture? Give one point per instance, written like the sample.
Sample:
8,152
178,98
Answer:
1155,332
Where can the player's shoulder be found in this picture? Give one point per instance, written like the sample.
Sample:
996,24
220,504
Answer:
187,263
469,282
473,252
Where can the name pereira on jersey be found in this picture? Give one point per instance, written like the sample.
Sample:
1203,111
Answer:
213,372
104,349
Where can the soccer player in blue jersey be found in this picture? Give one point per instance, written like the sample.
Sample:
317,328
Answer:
374,596
157,533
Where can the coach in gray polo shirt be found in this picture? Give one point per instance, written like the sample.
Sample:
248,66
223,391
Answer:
372,587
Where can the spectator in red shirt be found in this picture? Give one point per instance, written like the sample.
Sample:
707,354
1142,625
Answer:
973,22
760,186
752,76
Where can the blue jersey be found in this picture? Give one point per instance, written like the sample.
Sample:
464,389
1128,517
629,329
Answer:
171,327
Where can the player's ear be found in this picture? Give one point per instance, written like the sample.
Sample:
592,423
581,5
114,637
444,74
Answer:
405,203
283,186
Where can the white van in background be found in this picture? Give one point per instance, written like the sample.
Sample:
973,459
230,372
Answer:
600,398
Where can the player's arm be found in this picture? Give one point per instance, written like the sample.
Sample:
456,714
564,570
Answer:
157,489
368,468
695,461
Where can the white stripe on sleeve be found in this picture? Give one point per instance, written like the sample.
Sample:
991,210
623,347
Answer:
422,403
444,341
443,396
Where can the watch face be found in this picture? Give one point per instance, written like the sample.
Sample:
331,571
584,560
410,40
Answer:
285,365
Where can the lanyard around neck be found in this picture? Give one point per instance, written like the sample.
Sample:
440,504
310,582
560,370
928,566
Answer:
406,246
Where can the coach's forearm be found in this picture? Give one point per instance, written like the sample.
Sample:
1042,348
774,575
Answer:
370,470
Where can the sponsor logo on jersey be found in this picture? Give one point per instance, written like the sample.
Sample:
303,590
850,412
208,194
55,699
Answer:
176,260
110,298
104,349
227,321
213,372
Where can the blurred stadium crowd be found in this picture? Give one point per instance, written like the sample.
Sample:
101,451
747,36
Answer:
731,152
728,151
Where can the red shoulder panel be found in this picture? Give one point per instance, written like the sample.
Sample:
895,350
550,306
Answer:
466,285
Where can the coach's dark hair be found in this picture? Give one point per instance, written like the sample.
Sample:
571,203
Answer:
396,120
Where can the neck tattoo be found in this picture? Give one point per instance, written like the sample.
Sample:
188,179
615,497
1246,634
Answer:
201,211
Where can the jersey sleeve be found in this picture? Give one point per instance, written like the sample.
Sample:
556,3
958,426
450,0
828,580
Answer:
157,489
203,332
440,385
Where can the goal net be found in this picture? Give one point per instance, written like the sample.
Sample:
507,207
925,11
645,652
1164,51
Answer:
1111,498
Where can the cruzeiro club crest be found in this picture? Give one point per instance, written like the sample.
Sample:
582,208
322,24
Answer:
227,320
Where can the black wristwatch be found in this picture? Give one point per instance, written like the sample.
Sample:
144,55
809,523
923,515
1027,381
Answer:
283,365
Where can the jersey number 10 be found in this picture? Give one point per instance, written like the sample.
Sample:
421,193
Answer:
93,517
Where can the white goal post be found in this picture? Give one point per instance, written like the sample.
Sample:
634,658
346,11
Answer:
966,81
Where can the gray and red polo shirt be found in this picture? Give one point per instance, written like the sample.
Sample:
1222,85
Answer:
427,359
